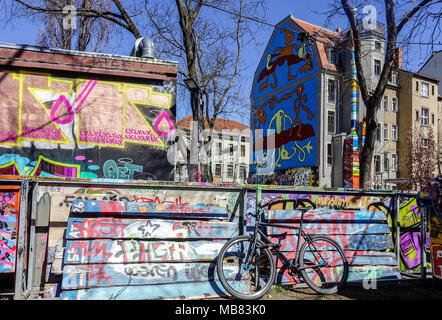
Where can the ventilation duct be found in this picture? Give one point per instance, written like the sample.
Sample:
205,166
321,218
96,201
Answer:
143,48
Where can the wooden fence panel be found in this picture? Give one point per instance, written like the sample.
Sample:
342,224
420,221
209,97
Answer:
162,210
364,236
143,250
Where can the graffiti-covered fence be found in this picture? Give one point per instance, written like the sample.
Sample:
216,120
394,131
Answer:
98,239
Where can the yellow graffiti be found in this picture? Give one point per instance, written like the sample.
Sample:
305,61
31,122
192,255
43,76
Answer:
41,158
143,95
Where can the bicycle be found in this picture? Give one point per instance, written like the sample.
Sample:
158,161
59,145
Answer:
247,270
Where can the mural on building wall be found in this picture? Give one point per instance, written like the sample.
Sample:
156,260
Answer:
84,128
9,208
287,59
297,177
283,109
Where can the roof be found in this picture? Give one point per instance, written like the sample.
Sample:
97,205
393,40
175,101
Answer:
26,56
326,38
420,75
435,53
220,124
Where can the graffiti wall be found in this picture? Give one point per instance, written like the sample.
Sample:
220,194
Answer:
284,105
84,127
409,220
297,177
9,210
103,242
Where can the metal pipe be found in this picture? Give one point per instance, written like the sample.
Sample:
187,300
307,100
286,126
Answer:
21,241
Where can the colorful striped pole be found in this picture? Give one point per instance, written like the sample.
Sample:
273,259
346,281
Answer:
351,153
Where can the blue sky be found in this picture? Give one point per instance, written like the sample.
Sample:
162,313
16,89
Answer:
24,32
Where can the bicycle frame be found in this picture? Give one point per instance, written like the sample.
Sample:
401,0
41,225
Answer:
268,243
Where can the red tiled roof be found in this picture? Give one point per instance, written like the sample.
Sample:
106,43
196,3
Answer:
220,124
326,37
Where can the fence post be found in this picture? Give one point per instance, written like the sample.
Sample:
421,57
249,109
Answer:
242,210
398,229
32,236
21,241
423,243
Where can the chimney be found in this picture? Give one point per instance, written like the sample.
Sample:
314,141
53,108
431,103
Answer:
143,48
398,62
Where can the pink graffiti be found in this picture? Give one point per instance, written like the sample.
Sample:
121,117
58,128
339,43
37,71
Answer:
43,239
101,137
159,124
80,100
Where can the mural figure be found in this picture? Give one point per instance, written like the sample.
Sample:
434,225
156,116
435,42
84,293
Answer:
283,54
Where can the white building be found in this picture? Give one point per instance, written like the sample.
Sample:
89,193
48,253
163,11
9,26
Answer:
230,150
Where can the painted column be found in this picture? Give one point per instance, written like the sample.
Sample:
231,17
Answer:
351,153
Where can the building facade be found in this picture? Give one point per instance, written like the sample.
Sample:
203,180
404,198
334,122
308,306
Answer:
85,115
229,150
306,85
419,114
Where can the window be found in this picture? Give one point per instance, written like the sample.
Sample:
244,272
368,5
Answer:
425,117
333,56
385,102
394,78
377,163
394,132
377,45
377,67
394,105
432,118
331,90
432,90
243,150
331,122
425,87
425,142
329,154
394,162
417,115
230,170
378,133
218,170
386,162
242,172
220,148
243,139
385,131
231,149
417,86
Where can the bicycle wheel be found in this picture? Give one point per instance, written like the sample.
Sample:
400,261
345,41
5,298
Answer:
244,282
323,264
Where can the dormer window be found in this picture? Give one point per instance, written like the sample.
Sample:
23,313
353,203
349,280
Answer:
333,56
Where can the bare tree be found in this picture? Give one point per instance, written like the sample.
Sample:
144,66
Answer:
92,15
211,53
208,47
414,18
421,160
72,31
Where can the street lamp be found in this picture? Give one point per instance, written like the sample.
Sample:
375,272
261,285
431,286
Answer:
193,86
